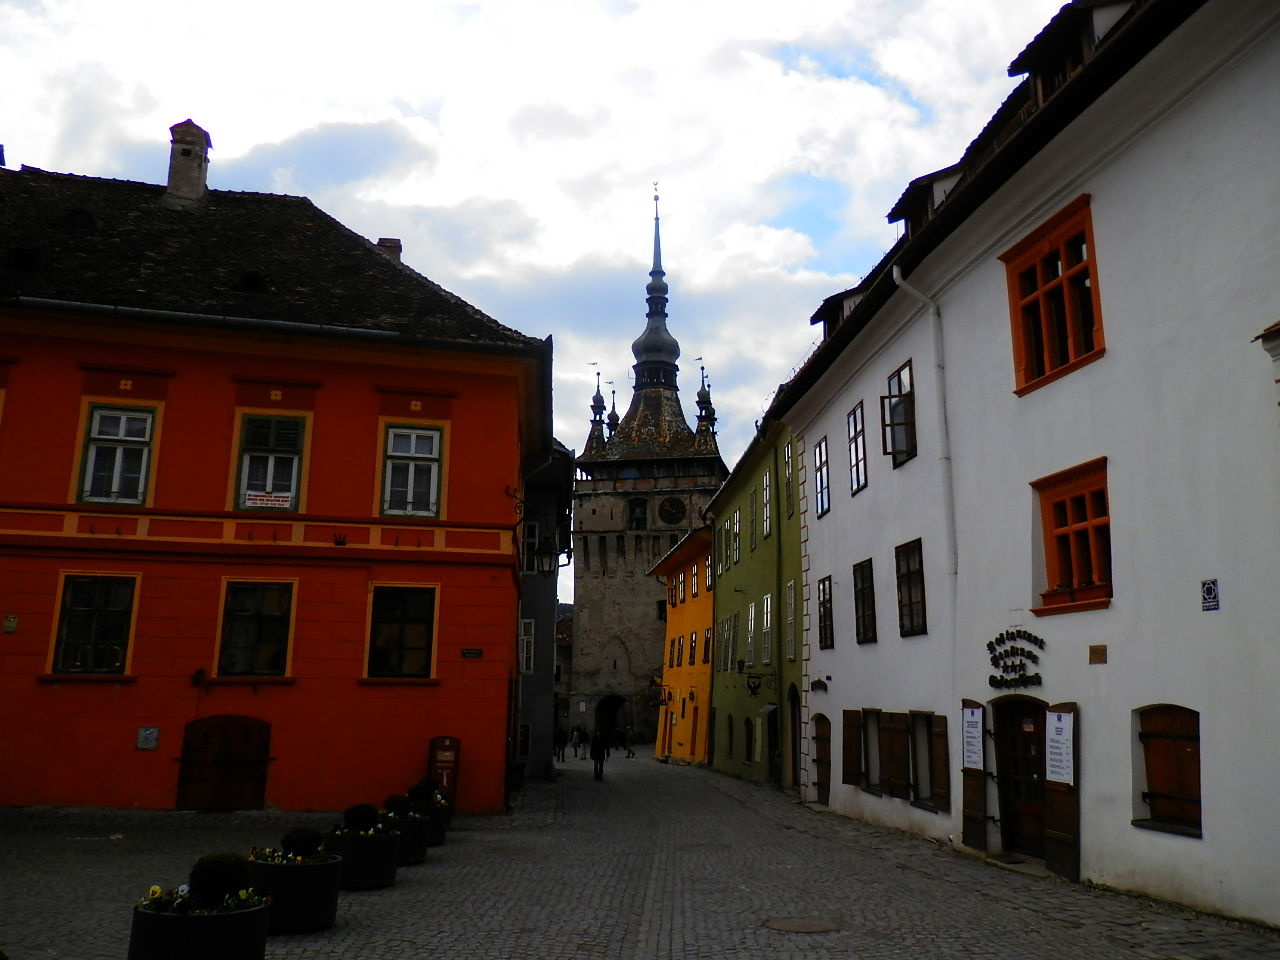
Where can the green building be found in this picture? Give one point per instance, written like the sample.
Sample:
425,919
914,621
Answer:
757,685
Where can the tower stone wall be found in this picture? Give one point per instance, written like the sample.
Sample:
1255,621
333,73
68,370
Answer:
642,482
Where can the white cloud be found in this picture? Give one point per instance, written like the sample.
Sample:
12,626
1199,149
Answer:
512,145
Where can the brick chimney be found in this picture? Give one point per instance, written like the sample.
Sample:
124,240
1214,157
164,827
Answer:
188,166
391,246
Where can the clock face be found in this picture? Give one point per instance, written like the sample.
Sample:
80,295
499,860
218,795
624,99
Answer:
671,510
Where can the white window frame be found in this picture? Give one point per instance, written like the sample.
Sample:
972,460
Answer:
766,512
737,534
821,478
525,645
766,628
117,446
791,620
857,449
414,461
751,633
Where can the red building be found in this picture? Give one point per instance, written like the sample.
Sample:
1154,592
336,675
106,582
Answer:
259,487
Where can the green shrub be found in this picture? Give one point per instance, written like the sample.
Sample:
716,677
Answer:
217,876
302,842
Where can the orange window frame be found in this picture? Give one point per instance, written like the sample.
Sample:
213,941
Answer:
1076,519
1055,311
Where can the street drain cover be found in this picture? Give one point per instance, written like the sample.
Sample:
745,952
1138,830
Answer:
801,925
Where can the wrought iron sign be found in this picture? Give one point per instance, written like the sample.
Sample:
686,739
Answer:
1013,658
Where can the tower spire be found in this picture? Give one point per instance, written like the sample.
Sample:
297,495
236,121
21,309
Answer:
656,350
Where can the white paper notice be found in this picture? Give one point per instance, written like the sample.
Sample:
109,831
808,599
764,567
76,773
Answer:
1059,747
972,738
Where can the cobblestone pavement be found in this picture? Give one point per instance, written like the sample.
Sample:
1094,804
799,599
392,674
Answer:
657,861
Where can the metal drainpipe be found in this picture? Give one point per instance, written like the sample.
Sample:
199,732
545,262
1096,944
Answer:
949,493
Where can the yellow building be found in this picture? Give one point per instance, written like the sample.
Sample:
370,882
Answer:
685,714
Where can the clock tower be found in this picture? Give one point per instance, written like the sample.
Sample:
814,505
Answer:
642,483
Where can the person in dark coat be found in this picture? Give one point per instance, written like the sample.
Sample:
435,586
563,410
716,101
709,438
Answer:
599,750
560,742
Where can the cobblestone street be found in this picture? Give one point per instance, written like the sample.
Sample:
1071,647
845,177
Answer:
655,862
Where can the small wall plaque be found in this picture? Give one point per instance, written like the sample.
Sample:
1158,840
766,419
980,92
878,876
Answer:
148,738
1209,594
472,653
1097,653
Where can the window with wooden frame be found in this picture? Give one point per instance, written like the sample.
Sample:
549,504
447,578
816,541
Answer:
1076,522
826,625
1054,307
821,478
725,547
737,535
402,631
766,505
94,625
895,755
909,560
525,644
930,772
766,628
1170,739
851,748
693,580
751,522
270,462
706,645
411,473
751,633
870,750
693,648
118,454
788,477
857,450
898,417
256,618
681,589
680,650
864,603
789,630
671,654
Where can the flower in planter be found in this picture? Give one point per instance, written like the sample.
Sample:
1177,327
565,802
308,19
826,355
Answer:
219,883
363,819
299,845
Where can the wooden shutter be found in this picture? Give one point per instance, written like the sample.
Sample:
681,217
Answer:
851,748
895,755
939,765
973,801
1062,806
1170,737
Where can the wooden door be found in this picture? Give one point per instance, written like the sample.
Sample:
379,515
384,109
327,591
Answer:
224,764
973,776
1062,796
822,757
1019,729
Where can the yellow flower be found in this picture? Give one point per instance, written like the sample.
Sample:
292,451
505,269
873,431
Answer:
244,894
154,892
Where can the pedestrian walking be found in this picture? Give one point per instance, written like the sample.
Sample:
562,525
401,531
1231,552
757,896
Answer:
561,740
626,742
599,750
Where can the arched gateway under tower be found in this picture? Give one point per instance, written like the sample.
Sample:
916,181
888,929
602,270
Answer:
642,483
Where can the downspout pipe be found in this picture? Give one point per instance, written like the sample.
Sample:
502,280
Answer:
944,429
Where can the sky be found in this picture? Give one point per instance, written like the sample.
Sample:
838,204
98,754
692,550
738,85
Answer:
512,146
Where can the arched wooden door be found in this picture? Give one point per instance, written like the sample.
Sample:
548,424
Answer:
822,757
224,764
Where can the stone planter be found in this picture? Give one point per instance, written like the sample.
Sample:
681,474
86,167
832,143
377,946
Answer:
235,935
368,862
304,896
413,840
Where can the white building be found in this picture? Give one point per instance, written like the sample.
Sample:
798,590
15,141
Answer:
1071,546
